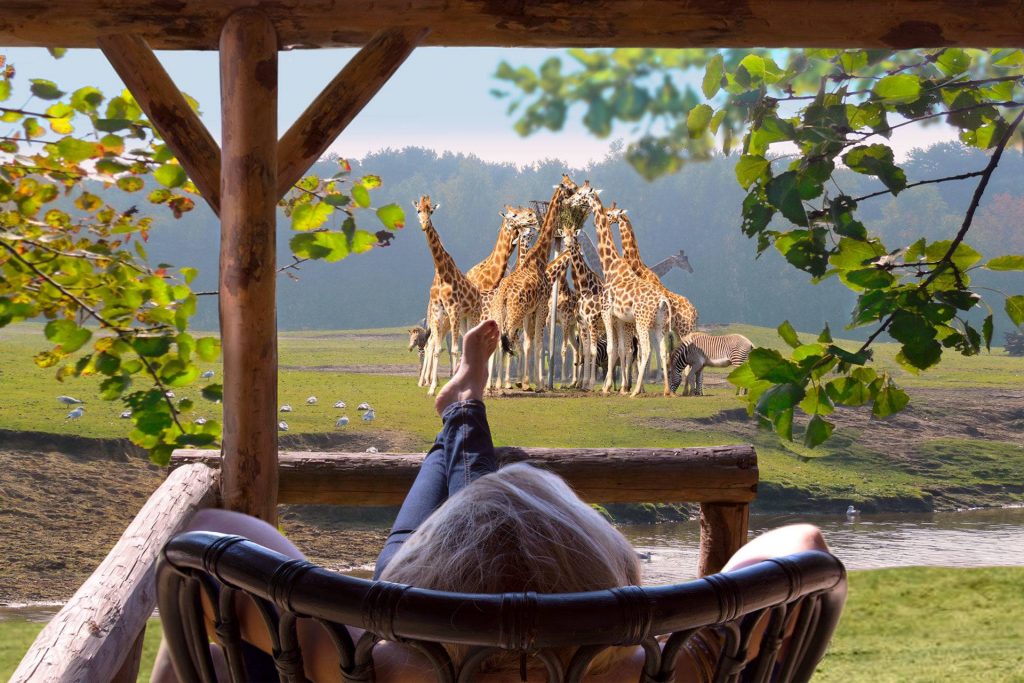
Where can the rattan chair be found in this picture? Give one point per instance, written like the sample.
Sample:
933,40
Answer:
802,595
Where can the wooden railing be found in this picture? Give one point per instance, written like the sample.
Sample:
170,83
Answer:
98,635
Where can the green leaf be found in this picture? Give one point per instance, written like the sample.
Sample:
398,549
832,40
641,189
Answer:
847,391
1008,262
360,196
818,430
713,74
112,388
898,89
783,193
75,150
213,392
307,217
779,398
698,119
86,99
788,334
151,347
986,332
854,254
189,274
370,181
5,89
67,334
170,175
953,61
749,168
878,161
130,183
1015,309
889,400
208,348
826,335
392,216
46,90
153,421
177,373
768,364
160,455
817,402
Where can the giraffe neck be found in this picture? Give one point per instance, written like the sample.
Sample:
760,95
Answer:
489,272
443,262
630,250
556,269
581,272
521,250
538,254
663,266
605,244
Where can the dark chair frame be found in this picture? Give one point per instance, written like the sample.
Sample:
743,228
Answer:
802,594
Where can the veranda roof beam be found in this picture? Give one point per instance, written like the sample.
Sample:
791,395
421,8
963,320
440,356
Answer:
195,24
340,102
167,108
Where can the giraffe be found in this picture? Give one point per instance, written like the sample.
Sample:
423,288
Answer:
565,314
628,299
522,302
678,260
684,314
459,297
589,294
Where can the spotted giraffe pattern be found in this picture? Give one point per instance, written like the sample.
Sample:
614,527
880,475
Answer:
565,313
458,296
589,296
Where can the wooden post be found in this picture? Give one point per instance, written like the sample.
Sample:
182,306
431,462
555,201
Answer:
248,315
723,531
129,671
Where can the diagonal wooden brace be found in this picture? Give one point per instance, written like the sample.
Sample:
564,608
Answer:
167,108
340,102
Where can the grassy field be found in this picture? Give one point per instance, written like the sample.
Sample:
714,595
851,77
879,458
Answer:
908,462
900,626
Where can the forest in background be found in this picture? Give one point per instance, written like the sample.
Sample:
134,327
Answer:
696,209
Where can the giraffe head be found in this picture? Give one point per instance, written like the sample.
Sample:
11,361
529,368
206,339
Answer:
587,197
683,262
519,220
423,210
615,213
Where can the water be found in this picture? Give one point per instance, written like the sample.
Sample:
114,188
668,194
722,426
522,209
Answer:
972,538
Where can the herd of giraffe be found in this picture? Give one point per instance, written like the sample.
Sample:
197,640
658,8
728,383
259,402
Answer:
628,302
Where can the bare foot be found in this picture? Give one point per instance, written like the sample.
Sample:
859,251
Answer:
470,379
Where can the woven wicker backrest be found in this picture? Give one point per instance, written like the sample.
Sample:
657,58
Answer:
802,594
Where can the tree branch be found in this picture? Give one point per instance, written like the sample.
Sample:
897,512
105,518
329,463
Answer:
962,176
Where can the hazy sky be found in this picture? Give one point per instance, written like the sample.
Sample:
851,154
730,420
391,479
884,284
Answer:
440,98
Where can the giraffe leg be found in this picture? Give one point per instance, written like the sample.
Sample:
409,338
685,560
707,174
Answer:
609,335
645,358
595,336
624,347
661,339
540,317
432,359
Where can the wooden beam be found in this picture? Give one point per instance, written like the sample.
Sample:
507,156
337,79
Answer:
248,314
723,531
340,102
717,474
194,24
167,108
94,634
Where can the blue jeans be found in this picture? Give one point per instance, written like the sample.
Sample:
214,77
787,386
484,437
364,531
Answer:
462,451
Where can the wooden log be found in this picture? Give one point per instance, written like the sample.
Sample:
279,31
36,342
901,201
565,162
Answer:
167,108
248,314
717,474
91,638
340,102
129,671
194,24
723,531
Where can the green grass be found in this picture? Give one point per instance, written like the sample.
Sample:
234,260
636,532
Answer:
902,625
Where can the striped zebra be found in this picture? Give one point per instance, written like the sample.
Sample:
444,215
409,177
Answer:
697,351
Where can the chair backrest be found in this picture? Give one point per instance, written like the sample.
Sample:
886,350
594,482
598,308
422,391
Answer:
801,595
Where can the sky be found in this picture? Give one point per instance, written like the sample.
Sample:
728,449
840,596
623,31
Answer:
439,99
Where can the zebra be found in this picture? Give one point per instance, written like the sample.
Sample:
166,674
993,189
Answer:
699,350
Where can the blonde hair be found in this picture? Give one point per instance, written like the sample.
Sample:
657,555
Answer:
518,529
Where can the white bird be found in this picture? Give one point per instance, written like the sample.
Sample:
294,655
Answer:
369,415
372,449
311,401
342,421
76,413
69,400
207,375
286,408
852,512
341,404
282,426
363,406
126,414
200,420
169,394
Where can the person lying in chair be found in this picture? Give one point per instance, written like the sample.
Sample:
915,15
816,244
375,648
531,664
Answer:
468,527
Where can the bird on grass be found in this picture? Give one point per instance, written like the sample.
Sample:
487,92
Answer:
341,404
282,426
200,420
69,400
364,406
126,414
76,413
207,375
286,408
311,401
369,415
342,421
372,449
